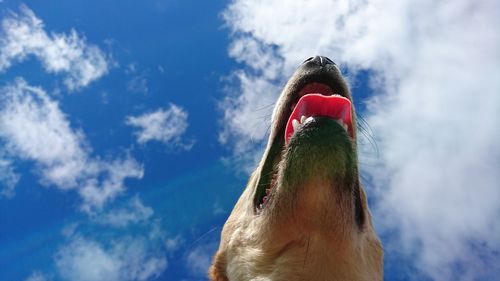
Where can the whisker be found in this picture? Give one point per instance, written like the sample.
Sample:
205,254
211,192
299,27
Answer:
265,107
365,129
202,237
265,117
307,251
268,129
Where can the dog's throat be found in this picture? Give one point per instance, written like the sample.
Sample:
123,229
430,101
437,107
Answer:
312,105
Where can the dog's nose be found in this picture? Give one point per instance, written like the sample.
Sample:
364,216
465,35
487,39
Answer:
319,60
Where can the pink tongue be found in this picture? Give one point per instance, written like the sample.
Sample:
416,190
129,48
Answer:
335,107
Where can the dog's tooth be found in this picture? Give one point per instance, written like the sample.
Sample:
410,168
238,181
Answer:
295,124
308,119
341,123
302,119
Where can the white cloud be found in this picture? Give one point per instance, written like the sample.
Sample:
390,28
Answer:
96,192
134,212
23,35
99,249
33,128
434,68
247,116
164,125
199,259
8,178
37,276
172,244
138,84
126,259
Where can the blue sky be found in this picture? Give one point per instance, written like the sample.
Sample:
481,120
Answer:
127,130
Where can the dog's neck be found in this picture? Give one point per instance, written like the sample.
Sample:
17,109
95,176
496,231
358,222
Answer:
309,257
291,248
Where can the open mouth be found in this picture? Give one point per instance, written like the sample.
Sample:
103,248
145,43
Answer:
314,100
314,105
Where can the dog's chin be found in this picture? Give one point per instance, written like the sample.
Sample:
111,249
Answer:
315,179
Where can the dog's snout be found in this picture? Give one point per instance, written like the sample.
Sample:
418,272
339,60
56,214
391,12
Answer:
319,60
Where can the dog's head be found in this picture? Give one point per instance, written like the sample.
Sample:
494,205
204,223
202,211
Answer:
304,213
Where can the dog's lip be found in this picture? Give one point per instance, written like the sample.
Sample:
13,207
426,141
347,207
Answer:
315,87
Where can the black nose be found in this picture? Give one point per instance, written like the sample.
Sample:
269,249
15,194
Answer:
319,60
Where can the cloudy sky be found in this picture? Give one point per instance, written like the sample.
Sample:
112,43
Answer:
127,130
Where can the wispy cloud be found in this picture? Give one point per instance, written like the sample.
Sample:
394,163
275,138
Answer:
247,116
128,258
8,178
199,258
33,128
165,125
37,276
434,71
134,212
23,35
104,248
173,244
138,84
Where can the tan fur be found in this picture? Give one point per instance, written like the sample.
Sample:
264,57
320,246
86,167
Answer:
307,234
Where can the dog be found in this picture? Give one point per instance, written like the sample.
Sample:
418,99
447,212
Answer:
304,214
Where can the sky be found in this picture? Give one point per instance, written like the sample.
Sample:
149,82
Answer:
128,128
